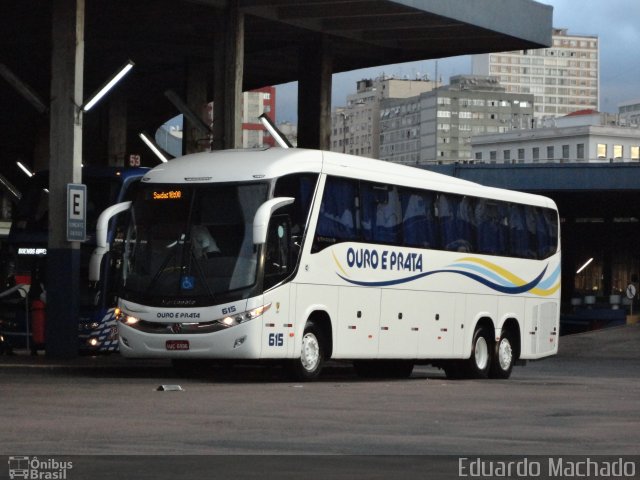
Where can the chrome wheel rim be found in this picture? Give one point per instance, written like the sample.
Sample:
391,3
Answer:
310,352
481,353
505,354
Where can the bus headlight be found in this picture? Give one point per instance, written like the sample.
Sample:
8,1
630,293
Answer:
127,319
239,318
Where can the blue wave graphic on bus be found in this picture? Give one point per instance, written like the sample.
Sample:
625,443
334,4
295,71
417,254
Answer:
484,272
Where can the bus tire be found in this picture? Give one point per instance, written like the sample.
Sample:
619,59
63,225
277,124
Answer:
311,360
503,358
479,364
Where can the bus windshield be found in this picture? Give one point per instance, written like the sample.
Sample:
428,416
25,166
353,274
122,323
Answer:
190,241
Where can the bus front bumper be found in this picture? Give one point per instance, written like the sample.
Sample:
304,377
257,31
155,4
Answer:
238,342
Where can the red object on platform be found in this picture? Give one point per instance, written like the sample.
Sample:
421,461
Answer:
37,322
23,279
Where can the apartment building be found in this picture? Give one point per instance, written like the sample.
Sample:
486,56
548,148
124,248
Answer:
563,78
437,126
255,103
629,113
356,126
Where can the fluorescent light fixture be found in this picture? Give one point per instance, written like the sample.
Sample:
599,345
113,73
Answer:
25,169
153,147
24,89
273,130
585,265
8,186
96,97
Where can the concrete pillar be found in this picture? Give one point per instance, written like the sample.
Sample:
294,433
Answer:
117,134
193,139
63,258
314,95
228,76
217,138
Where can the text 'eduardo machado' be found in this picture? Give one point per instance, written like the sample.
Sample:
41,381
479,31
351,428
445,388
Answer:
553,467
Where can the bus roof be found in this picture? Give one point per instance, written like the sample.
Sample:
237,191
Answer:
257,164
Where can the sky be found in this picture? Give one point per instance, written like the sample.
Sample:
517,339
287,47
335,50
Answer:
615,22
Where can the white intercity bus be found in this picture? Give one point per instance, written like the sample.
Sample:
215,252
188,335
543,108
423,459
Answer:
303,256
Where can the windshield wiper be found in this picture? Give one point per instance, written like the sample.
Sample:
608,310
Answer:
163,266
201,273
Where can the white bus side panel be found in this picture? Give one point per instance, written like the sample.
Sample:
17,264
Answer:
541,329
277,323
511,307
401,319
478,307
358,322
311,298
438,326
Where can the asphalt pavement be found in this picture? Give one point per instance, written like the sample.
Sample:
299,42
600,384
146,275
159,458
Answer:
584,401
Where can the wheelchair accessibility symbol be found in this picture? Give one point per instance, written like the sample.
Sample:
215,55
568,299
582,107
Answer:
187,282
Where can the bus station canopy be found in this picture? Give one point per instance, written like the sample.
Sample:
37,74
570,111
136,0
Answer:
163,37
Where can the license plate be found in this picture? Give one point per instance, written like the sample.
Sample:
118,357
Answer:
177,345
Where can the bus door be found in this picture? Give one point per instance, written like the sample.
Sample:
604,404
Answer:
278,267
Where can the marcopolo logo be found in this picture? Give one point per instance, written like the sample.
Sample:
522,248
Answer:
364,258
38,469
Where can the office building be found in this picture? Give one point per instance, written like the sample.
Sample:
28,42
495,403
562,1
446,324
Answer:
629,113
580,137
563,78
356,127
437,126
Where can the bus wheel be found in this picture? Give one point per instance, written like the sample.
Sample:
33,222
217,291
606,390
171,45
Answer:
502,362
479,363
309,365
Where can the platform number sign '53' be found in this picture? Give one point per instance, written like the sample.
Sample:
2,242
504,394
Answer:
276,339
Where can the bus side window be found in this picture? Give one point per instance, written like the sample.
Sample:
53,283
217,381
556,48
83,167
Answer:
547,232
518,232
381,213
488,227
419,227
466,221
456,222
300,186
531,224
336,222
278,254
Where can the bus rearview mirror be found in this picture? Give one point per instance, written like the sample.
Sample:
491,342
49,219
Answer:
102,242
262,216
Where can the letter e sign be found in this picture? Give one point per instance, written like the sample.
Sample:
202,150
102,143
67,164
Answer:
76,212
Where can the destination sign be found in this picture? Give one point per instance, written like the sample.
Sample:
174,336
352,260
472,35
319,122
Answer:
168,195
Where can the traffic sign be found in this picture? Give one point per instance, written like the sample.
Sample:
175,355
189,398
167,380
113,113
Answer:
76,212
631,291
